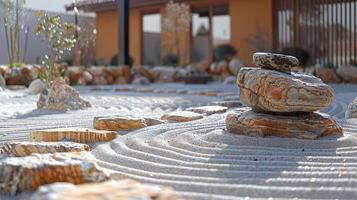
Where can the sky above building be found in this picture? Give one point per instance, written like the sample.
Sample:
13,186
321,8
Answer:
49,5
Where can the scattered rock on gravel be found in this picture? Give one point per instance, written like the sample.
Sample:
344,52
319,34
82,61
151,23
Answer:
19,174
124,89
327,75
230,80
348,73
61,97
80,135
118,123
208,93
36,87
19,76
235,65
164,74
2,81
140,80
152,121
351,111
145,72
110,190
220,69
182,116
209,110
144,90
164,91
19,149
228,103
231,98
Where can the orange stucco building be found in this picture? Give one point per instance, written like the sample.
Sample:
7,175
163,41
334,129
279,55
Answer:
242,19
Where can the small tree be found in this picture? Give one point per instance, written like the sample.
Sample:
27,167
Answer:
13,14
59,39
86,41
177,19
224,52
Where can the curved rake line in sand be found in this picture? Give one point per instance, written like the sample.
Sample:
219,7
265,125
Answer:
200,159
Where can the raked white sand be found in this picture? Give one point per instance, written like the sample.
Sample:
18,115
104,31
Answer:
200,159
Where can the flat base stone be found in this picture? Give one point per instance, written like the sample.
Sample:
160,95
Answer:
110,190
307,126
182,116
118,123
209,110
80,135
19,149
19,174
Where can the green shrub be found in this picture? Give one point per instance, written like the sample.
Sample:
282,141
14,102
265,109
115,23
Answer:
302,55
16,65
170,60
329,66
58,38
224,52
114,61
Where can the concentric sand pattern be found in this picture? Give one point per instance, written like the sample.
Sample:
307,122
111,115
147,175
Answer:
201,160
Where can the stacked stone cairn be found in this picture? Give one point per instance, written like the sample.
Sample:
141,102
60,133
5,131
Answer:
282,103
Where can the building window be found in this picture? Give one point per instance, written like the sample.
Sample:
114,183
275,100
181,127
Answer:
211,26
221,25
200,34
151,30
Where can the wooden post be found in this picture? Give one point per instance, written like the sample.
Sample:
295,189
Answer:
77,53
123,32
211,46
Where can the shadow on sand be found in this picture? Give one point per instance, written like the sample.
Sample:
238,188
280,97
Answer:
261,167
38,113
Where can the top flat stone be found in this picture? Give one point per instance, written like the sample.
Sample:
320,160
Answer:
278,62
